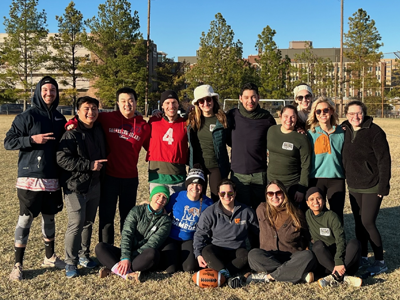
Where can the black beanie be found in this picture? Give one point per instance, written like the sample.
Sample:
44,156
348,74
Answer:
168,94
48,79
313,190
195,176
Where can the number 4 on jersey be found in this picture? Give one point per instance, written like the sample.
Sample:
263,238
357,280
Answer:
168,136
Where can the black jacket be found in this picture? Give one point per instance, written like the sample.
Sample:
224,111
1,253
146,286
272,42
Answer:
37,160
366,157
73,157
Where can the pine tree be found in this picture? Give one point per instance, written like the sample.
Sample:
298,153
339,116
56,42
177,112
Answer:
220,63
362,41
118,52
66,44
274,69
25,47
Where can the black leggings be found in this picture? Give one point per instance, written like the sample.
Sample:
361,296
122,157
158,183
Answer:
325,256
218,258
108,255
335,191
365,209
178,255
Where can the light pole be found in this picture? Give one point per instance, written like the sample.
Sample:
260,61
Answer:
341,61
146,108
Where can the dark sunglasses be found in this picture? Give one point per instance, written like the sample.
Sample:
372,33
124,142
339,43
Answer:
325,110
230,194
208,99
306,97
277,194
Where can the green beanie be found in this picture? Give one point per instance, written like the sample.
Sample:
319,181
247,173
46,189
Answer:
160,189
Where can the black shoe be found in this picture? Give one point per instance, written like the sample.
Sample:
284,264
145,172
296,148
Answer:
234,282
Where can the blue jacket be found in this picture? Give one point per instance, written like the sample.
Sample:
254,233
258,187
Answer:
219,135
37,160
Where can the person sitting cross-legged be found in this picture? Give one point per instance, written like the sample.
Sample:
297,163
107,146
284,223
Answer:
329,243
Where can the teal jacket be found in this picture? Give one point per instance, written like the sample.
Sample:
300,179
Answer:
326,158
219,139
143,229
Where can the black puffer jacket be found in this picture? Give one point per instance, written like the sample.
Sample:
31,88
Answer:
37,160
366,157
73,157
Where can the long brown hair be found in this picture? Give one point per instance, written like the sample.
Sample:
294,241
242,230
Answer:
196,118
271,213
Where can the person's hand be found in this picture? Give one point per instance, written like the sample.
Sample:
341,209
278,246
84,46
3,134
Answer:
201,261
42,138
70,127
340,269
123,266
301,130
97,164
298,197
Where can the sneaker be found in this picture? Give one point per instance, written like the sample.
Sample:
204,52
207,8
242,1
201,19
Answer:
16,273
133,277
257,277
234,282
308,277
352,280
87,262
364,263
54,261
377,268
104,272
71,271
328,281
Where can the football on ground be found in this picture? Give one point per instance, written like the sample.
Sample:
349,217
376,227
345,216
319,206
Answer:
208,278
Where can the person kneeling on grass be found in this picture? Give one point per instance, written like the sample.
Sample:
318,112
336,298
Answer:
146,228
220,237
329,243
284,240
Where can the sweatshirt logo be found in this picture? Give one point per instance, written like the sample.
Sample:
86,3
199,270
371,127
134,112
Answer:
325,231
287,146
127,132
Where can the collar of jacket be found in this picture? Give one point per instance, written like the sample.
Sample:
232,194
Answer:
365,124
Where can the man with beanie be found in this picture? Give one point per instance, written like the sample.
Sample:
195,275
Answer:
146,228
36,133
248,126
168,149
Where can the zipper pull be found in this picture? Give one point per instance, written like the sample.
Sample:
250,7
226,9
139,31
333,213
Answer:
39,158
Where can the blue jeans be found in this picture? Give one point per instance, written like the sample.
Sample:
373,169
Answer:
124,189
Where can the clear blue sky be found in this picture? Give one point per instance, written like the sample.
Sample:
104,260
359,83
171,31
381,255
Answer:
176,25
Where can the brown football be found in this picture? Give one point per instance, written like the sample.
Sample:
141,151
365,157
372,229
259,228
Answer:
208,278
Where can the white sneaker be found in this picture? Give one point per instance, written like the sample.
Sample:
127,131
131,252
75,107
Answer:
257,277
54,261
16,273
352,280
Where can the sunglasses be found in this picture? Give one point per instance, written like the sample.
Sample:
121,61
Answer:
325,111
306,97
208,99
277,194
230,194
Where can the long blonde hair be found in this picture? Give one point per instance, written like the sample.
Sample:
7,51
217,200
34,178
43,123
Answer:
196,118
312,120
271,213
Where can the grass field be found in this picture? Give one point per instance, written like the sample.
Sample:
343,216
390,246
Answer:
52,284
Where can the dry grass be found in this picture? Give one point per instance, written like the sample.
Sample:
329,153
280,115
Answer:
52,284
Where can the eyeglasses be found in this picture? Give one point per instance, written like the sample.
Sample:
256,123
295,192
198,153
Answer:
277,194
230,194
208,99
352,114
325,111
306,97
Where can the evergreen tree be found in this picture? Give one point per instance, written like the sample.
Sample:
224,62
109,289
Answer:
220,63
24,49
274,69
66,44
118,52
362,41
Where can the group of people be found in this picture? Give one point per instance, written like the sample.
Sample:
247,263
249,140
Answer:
269,218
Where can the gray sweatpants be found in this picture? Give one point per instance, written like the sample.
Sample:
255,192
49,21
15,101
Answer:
283,266
81,211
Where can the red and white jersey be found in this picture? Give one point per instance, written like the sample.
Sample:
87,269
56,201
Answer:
168,141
